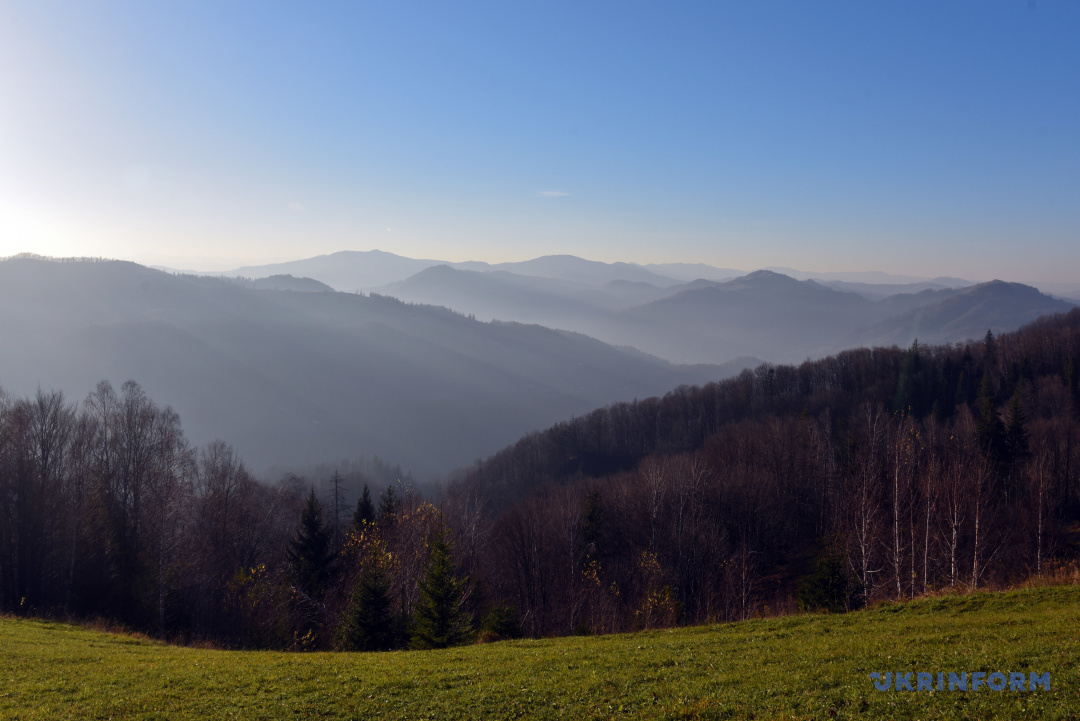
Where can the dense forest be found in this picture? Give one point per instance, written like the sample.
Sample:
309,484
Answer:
877,473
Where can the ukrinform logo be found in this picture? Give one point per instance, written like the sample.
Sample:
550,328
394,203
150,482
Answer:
997,681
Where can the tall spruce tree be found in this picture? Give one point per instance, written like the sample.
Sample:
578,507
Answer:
991,429
368,623
310,554
365,509
388,505
1017,444
1016,433
990,344
440,619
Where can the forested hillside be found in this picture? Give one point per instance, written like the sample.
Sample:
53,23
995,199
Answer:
877,473
874,473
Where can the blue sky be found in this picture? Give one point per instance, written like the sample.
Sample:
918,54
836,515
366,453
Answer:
936,138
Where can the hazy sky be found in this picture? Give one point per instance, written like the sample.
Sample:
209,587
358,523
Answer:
924,138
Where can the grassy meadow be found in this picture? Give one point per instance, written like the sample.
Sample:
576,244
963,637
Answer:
796,667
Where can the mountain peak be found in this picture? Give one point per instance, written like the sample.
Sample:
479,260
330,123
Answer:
767,275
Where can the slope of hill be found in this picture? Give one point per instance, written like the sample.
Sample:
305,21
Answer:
683,420
764,314
299,377
741,486
502,295
1069,291
346,270
816,666
288,282
780,319
498,295
967,313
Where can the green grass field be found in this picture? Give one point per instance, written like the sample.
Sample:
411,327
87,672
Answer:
796,667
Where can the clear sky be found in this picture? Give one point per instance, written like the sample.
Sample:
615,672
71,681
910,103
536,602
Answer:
926,138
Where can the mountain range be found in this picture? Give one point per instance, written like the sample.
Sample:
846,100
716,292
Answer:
695,313
353,270
303,374
763,314
445,364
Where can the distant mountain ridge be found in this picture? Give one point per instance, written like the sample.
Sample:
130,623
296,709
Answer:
966,313
369,270
352,270
295,373
773,313
763,314
346,270
781,314
305,377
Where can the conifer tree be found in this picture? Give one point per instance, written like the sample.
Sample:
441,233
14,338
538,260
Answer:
991,429
1016,434
388,504
440,619
1016,447
909,394
990,344
310,554
365,509
368,623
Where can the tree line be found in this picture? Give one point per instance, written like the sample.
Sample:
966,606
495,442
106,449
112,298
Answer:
877,473
107,512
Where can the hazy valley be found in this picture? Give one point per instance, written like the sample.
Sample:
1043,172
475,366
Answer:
294,378
449,364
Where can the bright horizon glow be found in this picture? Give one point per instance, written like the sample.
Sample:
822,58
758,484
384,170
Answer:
918,139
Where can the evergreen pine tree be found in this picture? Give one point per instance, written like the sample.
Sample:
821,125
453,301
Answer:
440,620
989,425
365,509
310,554
1016,434
1016,446
502,621
907,400
388,504
990,344
368,623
